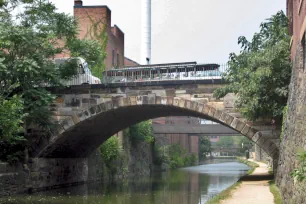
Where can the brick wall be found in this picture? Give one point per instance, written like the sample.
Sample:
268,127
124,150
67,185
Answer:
296,12
86,15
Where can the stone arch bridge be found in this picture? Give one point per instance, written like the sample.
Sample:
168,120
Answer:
88,115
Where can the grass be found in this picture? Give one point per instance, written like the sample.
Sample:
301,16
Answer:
227,193
252,165
275,191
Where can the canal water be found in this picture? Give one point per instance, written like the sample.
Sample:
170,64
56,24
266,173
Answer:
191,185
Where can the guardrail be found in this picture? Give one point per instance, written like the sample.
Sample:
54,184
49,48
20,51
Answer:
143,74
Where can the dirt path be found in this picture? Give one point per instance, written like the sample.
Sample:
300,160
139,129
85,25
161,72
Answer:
254,189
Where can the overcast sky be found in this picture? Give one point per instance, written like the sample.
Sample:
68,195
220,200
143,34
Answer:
187,30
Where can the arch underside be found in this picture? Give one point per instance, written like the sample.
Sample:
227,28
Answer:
85,132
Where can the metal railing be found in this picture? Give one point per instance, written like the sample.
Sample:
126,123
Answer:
165,72
79,79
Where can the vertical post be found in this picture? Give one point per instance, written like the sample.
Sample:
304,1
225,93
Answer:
150,74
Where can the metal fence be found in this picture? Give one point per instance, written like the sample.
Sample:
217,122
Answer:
165,72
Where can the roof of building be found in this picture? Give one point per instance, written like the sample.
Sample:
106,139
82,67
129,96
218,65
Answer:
131,60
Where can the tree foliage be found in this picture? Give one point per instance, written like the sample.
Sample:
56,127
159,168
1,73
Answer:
11,116
110,150
178,157
29,40
260,74
225,141
141,132
205,147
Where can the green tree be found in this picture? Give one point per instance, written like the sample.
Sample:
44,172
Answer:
247,143
110,150
205,147
141,132
29,40
178,157
260,74
225,141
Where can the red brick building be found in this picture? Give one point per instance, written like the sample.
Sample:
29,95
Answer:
101,15
296,12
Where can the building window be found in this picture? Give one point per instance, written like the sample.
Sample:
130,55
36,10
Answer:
113,58
118,60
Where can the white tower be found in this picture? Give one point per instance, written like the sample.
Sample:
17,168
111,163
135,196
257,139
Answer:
145,32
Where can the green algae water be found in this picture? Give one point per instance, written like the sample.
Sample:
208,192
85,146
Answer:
191,185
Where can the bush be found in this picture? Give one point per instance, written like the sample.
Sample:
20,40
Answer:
141,132
12,150
110,150
190,160
159,155
299,174
178,157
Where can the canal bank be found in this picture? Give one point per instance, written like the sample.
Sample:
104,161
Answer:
256,187
190,185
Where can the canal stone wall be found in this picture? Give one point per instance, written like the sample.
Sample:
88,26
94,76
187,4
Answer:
140,162
40,174
12,179
45,173
51,173
294,139
134,160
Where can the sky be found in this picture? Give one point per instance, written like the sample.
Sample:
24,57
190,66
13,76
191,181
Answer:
205,31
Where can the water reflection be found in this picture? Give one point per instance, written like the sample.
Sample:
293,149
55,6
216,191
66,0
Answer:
191,185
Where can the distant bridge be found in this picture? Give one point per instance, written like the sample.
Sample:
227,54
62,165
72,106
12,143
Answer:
195,129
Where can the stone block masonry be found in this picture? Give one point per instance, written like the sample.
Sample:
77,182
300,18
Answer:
294,134
12,179
42,174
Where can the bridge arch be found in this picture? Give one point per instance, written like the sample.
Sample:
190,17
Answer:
82,133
